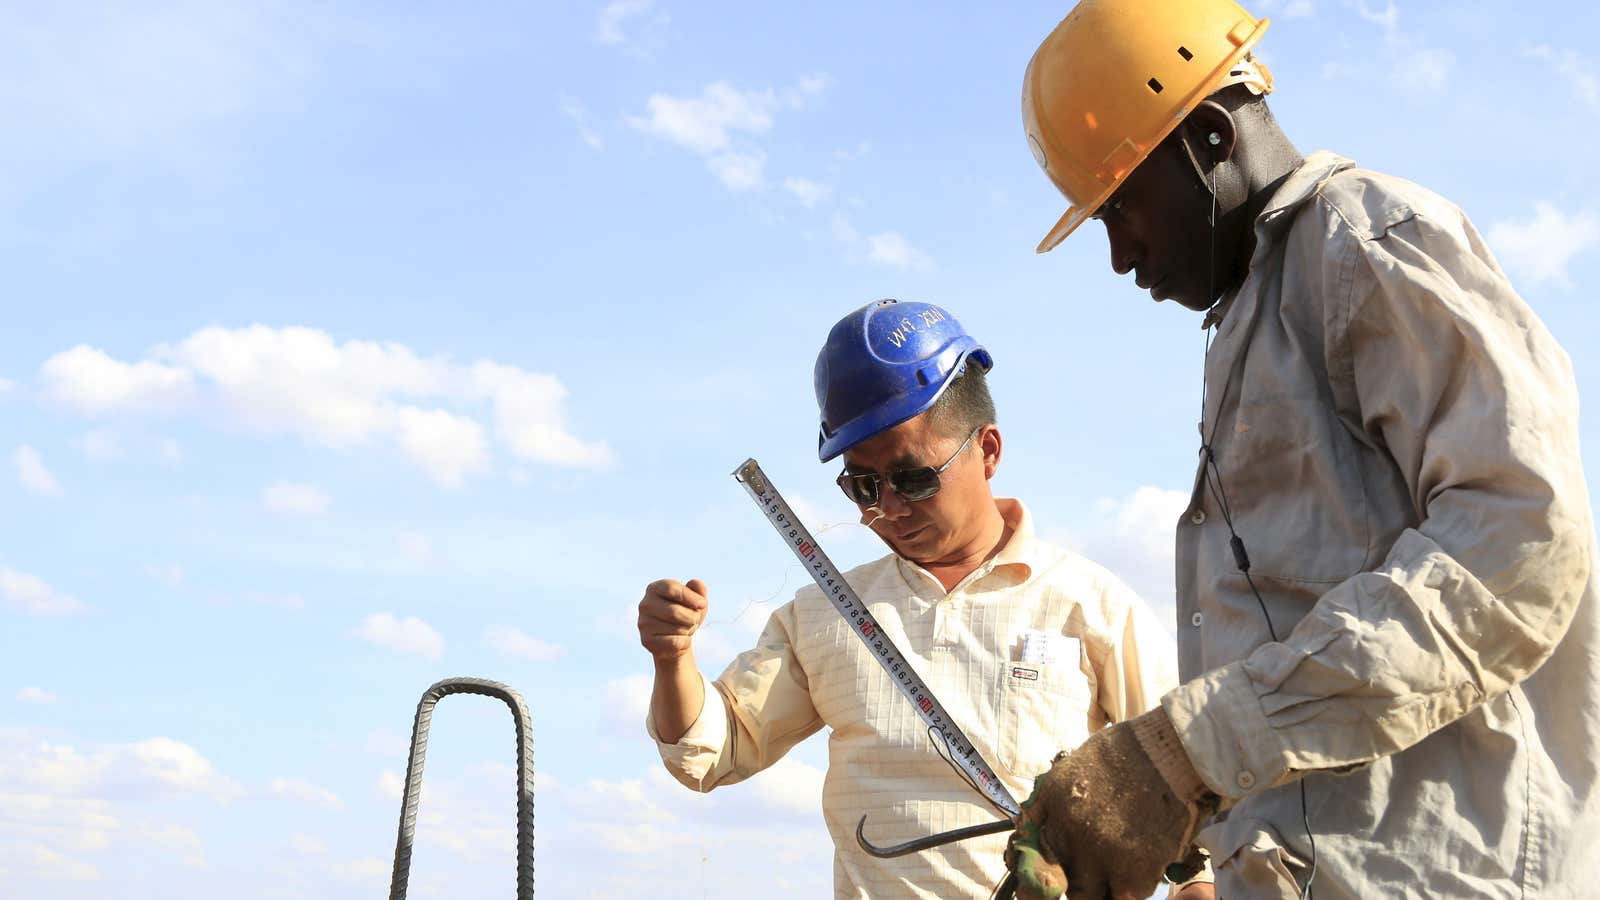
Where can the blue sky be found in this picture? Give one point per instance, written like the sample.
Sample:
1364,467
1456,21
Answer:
352,348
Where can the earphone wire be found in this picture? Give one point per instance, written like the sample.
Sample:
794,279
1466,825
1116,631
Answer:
1213,476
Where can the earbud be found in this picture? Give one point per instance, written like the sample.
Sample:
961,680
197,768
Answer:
1214,139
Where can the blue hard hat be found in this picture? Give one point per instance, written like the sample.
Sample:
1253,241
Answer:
883,364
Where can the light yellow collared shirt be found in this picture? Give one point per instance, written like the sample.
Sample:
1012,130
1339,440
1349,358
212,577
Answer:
1094,654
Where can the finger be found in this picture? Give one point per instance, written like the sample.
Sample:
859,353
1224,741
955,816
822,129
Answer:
669,614
693,594
699,587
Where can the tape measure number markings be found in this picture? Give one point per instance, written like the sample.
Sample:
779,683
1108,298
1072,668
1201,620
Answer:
844,600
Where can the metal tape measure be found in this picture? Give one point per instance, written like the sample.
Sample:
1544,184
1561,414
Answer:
844,599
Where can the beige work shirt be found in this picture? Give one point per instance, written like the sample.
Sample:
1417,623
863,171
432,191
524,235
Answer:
1095,654
1396,441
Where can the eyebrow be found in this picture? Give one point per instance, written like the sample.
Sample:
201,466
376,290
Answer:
903,461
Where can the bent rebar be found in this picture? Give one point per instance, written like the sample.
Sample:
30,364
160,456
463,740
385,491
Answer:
933,840
419,749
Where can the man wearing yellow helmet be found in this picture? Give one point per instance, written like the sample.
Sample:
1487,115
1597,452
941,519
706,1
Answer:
1388,624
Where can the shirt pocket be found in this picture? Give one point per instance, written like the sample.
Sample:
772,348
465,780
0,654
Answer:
1044,709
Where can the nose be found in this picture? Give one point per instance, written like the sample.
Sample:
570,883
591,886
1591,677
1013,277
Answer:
1125,250
893,505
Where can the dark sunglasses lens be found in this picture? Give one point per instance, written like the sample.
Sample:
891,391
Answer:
862,489
915,484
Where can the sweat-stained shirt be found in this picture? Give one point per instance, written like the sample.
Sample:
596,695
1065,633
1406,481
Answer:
1396,440
1030,653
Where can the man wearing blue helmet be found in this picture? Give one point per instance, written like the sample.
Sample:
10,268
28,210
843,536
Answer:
1031,648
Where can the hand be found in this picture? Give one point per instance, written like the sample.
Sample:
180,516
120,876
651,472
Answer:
669,615
1105,821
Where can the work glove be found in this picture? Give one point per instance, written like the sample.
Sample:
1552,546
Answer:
1110,816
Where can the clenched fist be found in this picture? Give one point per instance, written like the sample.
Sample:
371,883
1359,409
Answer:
669,615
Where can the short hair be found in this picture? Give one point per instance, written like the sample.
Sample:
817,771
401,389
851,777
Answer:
965,406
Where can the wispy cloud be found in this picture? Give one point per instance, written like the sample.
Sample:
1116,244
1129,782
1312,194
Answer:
1416,66
1542,247
724,125
34,695
618,18
574,110
31,594
809,193
516,643
887,248
1132,536
289,498
1576,70
32,474
410,636
169,574
300,381
305,793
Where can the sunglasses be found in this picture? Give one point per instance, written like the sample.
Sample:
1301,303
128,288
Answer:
916,483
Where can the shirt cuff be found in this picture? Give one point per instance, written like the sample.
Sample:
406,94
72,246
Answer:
1218,718
696,753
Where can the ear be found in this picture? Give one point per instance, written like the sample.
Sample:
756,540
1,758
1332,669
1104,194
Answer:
989,444
1207,119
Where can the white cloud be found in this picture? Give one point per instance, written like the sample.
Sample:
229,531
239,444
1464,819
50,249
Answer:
724,125
170,574
30,594
706,124
1134,536
1387,18
1576,70
308,845
7,385
627,703
391,785
513,642
305,792
290,498
619,13
447,446
808,192
300,382
32,474
370,871
179,767
572,109
1415,67
35,695
892,249
410,635
790,786
740,171
88,381
1541,248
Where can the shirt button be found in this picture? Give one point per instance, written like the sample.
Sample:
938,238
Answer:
1198,517
1196,619
1246,780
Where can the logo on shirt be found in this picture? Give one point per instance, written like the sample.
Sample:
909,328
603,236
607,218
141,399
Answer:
1024,673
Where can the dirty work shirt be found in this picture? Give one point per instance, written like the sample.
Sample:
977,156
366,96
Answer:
1399,450
1094,654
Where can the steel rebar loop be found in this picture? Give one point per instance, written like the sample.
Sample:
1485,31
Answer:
933,840
419,750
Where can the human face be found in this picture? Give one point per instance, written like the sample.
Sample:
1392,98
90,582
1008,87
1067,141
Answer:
941,526
1158,224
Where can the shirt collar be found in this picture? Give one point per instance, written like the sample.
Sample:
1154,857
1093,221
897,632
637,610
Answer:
1017,556
1301,185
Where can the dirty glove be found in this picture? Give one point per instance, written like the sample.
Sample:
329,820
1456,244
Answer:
1109,817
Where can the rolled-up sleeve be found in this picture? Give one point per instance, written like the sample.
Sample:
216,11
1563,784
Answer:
754,712
1460,385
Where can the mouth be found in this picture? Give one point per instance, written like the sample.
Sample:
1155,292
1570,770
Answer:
1152,285
911,535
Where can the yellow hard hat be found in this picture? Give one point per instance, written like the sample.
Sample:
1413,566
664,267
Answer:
1113,80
